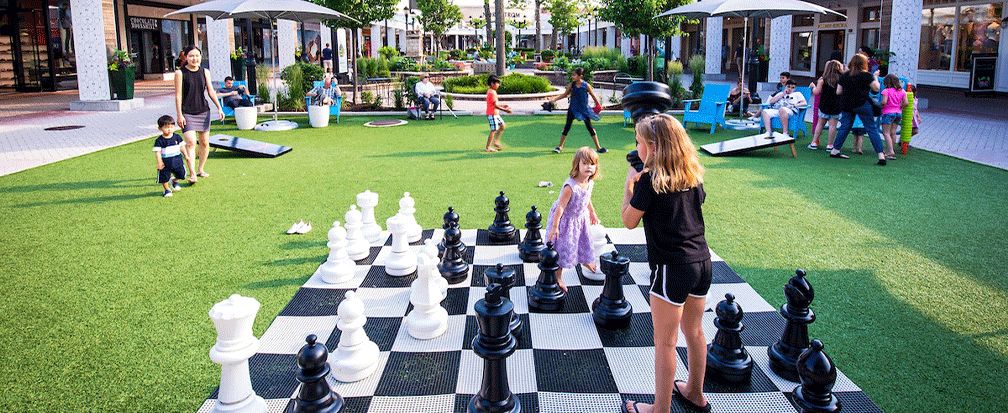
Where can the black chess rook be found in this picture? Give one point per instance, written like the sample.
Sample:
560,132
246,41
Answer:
531,248
494,343
504,276
818,376
795,339
450,218
546,295
611,310
501,230
315,395
727,358
453,266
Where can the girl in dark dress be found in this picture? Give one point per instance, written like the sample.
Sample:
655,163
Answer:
579,90
829,103
191,81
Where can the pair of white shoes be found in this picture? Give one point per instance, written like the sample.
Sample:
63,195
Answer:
299,227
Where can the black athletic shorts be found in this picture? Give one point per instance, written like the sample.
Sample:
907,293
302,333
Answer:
673,283
172,166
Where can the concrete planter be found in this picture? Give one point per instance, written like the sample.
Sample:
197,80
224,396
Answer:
318,116
246,117
555,77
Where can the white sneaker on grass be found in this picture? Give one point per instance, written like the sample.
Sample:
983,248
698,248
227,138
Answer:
167,193
294,229
305,228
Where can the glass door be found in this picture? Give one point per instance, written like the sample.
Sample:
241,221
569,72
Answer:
30,46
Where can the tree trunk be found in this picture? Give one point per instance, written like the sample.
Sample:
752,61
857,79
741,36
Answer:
650,57
500,36
668,55
354,63
538,17
486,15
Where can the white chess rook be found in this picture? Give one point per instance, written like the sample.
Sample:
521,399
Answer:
358,248
338,267
599,246
356,356
428,319
233,319
368,200
402,260
407,210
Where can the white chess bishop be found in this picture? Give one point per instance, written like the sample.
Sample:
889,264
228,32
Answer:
338,267
233,319
402,260
407,210
356,356
428,319
368,200
600,245
358,248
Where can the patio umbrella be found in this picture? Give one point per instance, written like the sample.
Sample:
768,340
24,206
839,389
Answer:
746,9
272,10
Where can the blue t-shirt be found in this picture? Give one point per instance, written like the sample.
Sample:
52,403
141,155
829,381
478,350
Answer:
168,147
327,54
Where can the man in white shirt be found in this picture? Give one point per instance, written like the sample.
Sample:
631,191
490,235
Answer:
427,96
783,105
325,94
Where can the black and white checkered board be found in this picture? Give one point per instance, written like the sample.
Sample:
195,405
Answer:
563,362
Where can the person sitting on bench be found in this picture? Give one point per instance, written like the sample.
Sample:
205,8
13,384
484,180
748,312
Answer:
783,105
739,96
234,96
427,96
325,94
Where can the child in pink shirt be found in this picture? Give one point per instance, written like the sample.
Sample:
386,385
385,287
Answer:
893,101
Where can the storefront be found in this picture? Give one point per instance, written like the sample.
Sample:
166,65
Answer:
36,45
155,42
817,39
951,32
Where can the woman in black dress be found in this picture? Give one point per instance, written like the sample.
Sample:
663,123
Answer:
191,81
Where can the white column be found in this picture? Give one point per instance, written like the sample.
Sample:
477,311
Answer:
287,42
611,33
89,40
780,46
402,40
713,45
625,46
342,51
220,48
375,39
904,38
1002,71
677,47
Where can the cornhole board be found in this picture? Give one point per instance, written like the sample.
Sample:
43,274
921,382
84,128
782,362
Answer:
749,143
248,147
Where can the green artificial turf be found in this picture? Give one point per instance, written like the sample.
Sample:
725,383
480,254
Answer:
107,285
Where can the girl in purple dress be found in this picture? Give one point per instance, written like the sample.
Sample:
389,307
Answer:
573,212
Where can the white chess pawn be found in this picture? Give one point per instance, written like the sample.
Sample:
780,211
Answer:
368,200
358,248
430,250
600,245
407,209
356,356
233,319
403,260
428,319
338,267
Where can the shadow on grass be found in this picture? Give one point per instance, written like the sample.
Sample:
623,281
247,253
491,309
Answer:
303,244
297,261
91,200
77,185
269,284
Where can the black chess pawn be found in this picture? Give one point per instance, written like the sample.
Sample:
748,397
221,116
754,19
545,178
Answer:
546,295
784,353
501,230
450,218
315,395
818,375
531,248
506,278
611,310
453,266
727,359
494,343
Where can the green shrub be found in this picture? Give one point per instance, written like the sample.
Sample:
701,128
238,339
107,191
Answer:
675,71
368,67
294,77
697,64
388,52
367,98
455,54
449,101
398,99
308,73
262,79
512,84
562,63
409,89
443,65
547,55
636,65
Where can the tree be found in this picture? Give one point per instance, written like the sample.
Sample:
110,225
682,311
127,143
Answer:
499,24
365,12
477,23
538,23
436,16
563,17
489,20
519,24
636,17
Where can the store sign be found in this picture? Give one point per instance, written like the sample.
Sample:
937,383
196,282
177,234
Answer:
145,23
983,72
834,25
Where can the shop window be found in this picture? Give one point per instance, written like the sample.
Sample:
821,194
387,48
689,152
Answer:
936,42
871,14
801,51
870,38
802,20
979,32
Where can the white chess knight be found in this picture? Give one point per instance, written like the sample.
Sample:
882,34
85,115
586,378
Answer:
358,248
428,319
356,356
368,200
407,210
600,245
430,250
338,267
233,319
403,260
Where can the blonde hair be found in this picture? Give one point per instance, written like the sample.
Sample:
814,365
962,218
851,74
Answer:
588,156
673,160
832,72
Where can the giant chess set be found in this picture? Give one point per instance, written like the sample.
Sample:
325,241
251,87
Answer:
446,320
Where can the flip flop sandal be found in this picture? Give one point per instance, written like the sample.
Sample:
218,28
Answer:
203,175
686,402
557,150
634,407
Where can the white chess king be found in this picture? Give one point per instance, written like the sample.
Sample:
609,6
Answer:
233,319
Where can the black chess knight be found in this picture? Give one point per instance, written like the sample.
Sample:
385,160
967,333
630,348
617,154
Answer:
506,278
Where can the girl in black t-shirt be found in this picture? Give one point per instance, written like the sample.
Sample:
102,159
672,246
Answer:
667,194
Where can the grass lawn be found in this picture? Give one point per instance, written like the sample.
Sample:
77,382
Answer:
107,285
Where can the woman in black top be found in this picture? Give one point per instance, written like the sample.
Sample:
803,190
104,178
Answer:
668,195
829,103
191,81
853,88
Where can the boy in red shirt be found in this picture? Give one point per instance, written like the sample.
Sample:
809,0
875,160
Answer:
496,123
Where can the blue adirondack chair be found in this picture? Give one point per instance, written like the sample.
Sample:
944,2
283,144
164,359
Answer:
334,109
229,111
711,107
796,123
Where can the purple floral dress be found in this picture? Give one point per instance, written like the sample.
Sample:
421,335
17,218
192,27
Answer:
573,243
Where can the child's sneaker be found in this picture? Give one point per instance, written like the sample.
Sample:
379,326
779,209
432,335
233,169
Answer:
167,193
175,185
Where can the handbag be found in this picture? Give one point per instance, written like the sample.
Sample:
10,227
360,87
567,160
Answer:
876,106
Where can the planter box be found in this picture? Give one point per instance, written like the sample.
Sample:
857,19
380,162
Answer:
246,117
121,83
603,75
318,116
558,78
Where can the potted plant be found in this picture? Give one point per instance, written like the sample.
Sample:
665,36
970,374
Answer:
238,64
883,56
122,74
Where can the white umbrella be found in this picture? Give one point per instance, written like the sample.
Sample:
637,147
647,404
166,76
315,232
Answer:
272,10
746,9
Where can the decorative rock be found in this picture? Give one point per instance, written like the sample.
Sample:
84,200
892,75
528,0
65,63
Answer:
428,319
368,200
611,310
356,357
338,267
501,230
407,210
784,353
453,266
531,248
233,319
546,295
494,343
506,278
358,248
315,395
818,376
403,260
727,359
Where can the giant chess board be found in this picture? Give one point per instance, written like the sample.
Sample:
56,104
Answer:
564,363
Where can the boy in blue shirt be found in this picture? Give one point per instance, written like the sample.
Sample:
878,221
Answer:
168,152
